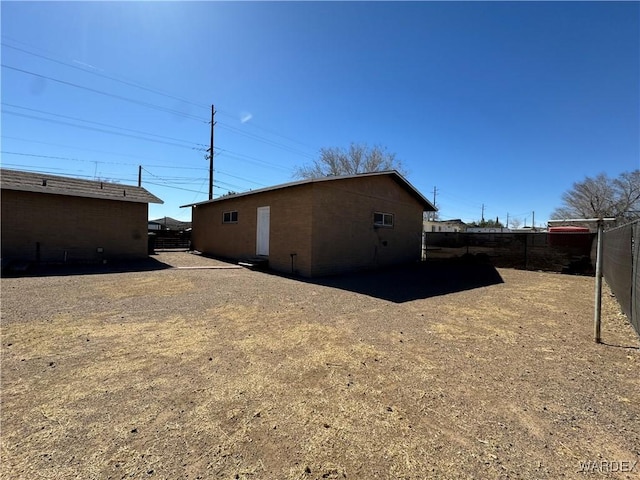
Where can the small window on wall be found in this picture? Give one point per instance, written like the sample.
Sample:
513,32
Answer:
230,217
383,219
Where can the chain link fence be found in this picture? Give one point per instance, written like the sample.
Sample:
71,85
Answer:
621,268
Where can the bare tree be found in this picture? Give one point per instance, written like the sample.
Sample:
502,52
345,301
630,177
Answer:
515,223
602,197
358,158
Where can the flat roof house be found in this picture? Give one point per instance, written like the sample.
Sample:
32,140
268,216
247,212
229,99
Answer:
455,225
317,227
58,219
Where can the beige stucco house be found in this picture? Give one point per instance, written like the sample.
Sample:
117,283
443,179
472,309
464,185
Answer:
455,225
317,227
47,218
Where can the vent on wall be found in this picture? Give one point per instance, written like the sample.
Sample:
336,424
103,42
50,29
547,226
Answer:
44,182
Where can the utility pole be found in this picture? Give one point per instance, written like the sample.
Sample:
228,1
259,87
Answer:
139,175
213,114
433,214
507,225
533,220
482,217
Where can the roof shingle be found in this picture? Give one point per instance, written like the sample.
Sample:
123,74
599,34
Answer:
75,187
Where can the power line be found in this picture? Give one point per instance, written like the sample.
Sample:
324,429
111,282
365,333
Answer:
175,179
263,140
99,130
108,77
101,92
29,168
52,157
179,188
165,109
446,193
101,124
221,151
240,178
253,124
233,129
156,91
28,140
106,152
250,159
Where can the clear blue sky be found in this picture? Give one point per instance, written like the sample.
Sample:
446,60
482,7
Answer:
495,103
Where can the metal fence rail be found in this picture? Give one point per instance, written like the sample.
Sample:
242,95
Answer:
621,268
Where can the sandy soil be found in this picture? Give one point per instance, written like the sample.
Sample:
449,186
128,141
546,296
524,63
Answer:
431,372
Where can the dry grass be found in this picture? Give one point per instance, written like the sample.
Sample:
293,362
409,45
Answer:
238,374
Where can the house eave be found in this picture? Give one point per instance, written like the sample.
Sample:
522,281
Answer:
403,182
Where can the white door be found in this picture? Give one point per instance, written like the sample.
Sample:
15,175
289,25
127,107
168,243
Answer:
262,237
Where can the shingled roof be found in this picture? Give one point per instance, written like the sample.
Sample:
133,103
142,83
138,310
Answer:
171,223
75,187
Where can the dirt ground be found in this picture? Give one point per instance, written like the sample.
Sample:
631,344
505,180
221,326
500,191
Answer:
431,372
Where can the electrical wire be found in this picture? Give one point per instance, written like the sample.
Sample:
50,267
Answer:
138,85
28,140
180,167
173,179
250,159
253,136
137,133
85,127
179,188
156,91
108,77
102,124
101,92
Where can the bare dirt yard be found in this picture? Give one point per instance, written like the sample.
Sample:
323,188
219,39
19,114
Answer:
436,371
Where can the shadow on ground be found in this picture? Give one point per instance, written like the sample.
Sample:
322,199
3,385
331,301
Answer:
414,282
629,347
56,270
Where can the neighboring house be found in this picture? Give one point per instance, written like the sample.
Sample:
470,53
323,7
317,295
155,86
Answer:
455,225
168,223
489,230
49,218
317,227
169,233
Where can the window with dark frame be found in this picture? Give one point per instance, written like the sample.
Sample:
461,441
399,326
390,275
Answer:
381,219
230,217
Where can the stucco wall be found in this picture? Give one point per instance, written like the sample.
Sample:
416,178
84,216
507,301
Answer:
328,225
290,228
344,235
75,225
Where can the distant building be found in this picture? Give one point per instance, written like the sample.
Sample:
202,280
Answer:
455,225
169,233
488,230
50,218
168,223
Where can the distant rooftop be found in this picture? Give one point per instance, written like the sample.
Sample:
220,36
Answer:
75,187
170,223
